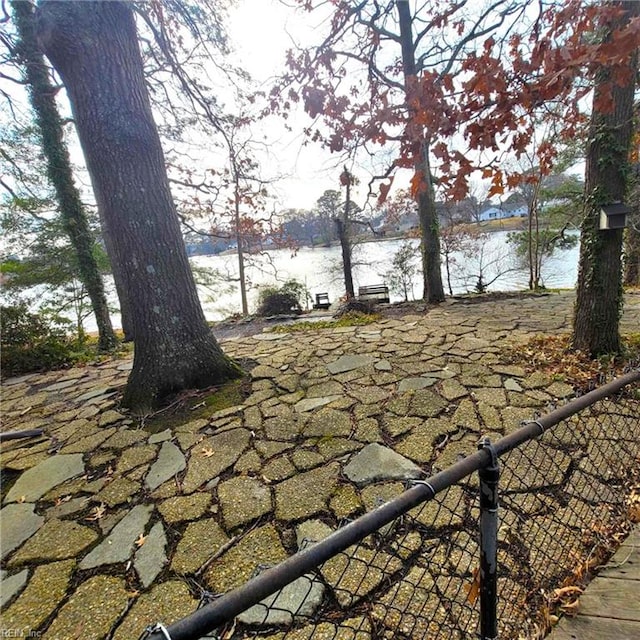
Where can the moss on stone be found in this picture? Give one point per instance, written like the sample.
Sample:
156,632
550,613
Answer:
136,456
118,491
42,595
182,508
307,493
169,602
345,501
242,500
236,566
55,540
92,610
199,542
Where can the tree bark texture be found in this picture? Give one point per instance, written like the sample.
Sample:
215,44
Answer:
345,245
42,98
433,291
344,235
429,235
118,280
599,292
632,258
632,236
240,249
94,48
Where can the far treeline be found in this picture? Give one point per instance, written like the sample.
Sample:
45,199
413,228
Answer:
399,87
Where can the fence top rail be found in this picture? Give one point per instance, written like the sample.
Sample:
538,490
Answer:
537,427
231,604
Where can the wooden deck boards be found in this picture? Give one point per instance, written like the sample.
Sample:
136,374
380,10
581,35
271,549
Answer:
610,606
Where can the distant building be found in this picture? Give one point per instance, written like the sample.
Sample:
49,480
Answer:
514,210
492,213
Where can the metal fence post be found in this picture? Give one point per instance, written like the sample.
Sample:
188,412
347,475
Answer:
489,477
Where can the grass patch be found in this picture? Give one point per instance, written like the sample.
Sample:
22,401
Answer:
196,404
553,355
351,319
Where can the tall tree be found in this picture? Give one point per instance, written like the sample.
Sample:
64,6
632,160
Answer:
343,225
328,208
632,235
419,138
42,96
484,72
599,292
379,78
94,48
240,195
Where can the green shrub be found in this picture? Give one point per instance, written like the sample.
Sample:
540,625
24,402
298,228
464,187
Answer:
31,342
274,301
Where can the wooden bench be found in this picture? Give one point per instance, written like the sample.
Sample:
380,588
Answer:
375,292
322,301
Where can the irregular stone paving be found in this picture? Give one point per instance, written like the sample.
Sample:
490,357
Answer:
109,528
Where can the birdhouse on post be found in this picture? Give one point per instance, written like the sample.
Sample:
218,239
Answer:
614,215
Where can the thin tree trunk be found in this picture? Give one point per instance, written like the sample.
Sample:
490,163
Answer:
118,280
530,246
94,48
343,229
59,172
243,283
599,296
448,270
433,290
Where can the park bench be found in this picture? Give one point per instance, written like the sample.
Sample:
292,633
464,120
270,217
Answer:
322,301
374,292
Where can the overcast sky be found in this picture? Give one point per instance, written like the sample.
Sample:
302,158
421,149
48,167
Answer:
261,33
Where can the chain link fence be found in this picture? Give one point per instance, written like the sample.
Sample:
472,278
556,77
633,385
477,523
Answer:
416,566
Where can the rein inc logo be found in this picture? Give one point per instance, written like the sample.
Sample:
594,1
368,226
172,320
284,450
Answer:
24,632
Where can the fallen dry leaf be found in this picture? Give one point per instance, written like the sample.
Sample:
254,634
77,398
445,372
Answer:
571,591
228,634
570,609
97,512
473,589
140,541
207,452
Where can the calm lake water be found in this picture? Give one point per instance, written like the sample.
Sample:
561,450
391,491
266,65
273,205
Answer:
319,270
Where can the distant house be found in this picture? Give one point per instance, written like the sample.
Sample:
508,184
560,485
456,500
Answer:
503,211
515,210
492,213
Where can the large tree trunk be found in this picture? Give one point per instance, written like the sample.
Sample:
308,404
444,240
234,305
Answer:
632,236
429,234
345,245
94,47
599,295
59,172
433,290
632,258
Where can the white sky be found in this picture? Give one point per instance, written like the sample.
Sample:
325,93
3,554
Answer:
261,32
